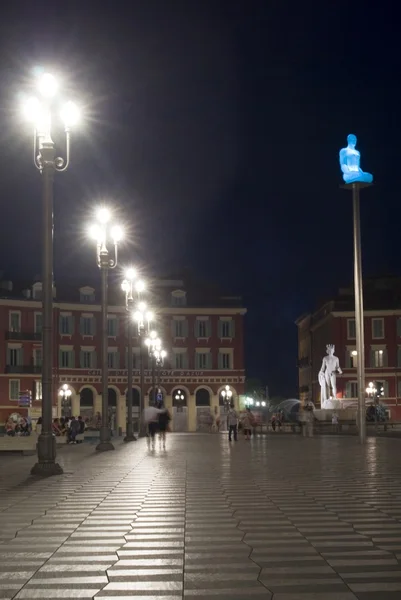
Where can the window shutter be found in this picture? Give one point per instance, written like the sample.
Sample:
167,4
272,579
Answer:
220,363
197,360
116,327
60,326
209,361
93,325
209,328
232,328
385,386
220,329
185,328
82,325
196,328
20,356
8,356
385,358
71,325
372,358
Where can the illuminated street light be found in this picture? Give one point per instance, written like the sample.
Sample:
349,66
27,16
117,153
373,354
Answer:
103,233
41,111
127,287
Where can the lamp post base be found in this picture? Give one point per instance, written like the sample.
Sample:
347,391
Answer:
130,438
104,447
46,465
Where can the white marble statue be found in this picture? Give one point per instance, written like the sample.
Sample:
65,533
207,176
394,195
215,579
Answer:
328,378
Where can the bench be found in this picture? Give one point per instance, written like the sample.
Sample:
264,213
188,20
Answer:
25,445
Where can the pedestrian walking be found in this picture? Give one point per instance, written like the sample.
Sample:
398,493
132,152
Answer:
273,422
151,420
164,420
232,423
248,421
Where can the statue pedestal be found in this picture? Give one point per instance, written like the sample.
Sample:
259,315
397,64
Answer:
343,414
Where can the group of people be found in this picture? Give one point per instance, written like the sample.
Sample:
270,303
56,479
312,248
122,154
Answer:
70,427
245,421
22,427
156,419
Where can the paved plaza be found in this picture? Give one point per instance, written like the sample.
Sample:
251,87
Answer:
279,517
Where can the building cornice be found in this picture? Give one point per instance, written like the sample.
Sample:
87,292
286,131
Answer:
179,310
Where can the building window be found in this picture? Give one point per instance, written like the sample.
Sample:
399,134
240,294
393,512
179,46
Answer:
37,357
352,389
179,328
135,359
113,360
86,297
378,358
87,325
377,329
226,328
14,389
351,329
351,359
15,321
15,357
38,390
225,360
112,326
87,359
202,328
37,291
178,298
180,360
66,325
66,359
38,322
203,360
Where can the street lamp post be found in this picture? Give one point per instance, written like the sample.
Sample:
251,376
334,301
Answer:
127,286
227,395
40,113
102,232
154,346
65,394
159,356
143,317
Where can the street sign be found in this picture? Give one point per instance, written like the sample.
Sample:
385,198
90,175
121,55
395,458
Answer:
25,399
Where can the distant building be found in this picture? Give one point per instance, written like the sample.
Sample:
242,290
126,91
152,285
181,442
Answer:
201,330
334,323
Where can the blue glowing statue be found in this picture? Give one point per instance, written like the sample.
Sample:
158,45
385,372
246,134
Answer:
349,162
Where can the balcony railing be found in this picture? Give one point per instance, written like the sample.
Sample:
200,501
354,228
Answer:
25,369
26,336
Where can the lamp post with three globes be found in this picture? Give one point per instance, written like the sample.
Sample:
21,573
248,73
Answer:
40,112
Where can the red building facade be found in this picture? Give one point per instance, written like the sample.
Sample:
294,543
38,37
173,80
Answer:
334,323
201,331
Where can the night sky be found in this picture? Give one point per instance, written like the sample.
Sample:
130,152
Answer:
215,128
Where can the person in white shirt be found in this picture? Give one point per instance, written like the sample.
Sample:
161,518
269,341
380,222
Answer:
232,422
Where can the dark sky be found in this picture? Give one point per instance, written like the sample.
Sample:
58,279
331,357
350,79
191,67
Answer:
215,128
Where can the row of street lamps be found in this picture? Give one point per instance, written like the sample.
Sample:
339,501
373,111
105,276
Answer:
41,111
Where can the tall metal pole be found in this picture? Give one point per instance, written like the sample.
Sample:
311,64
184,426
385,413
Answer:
46,464
153,379
129,437
360,343
105,443
142,428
